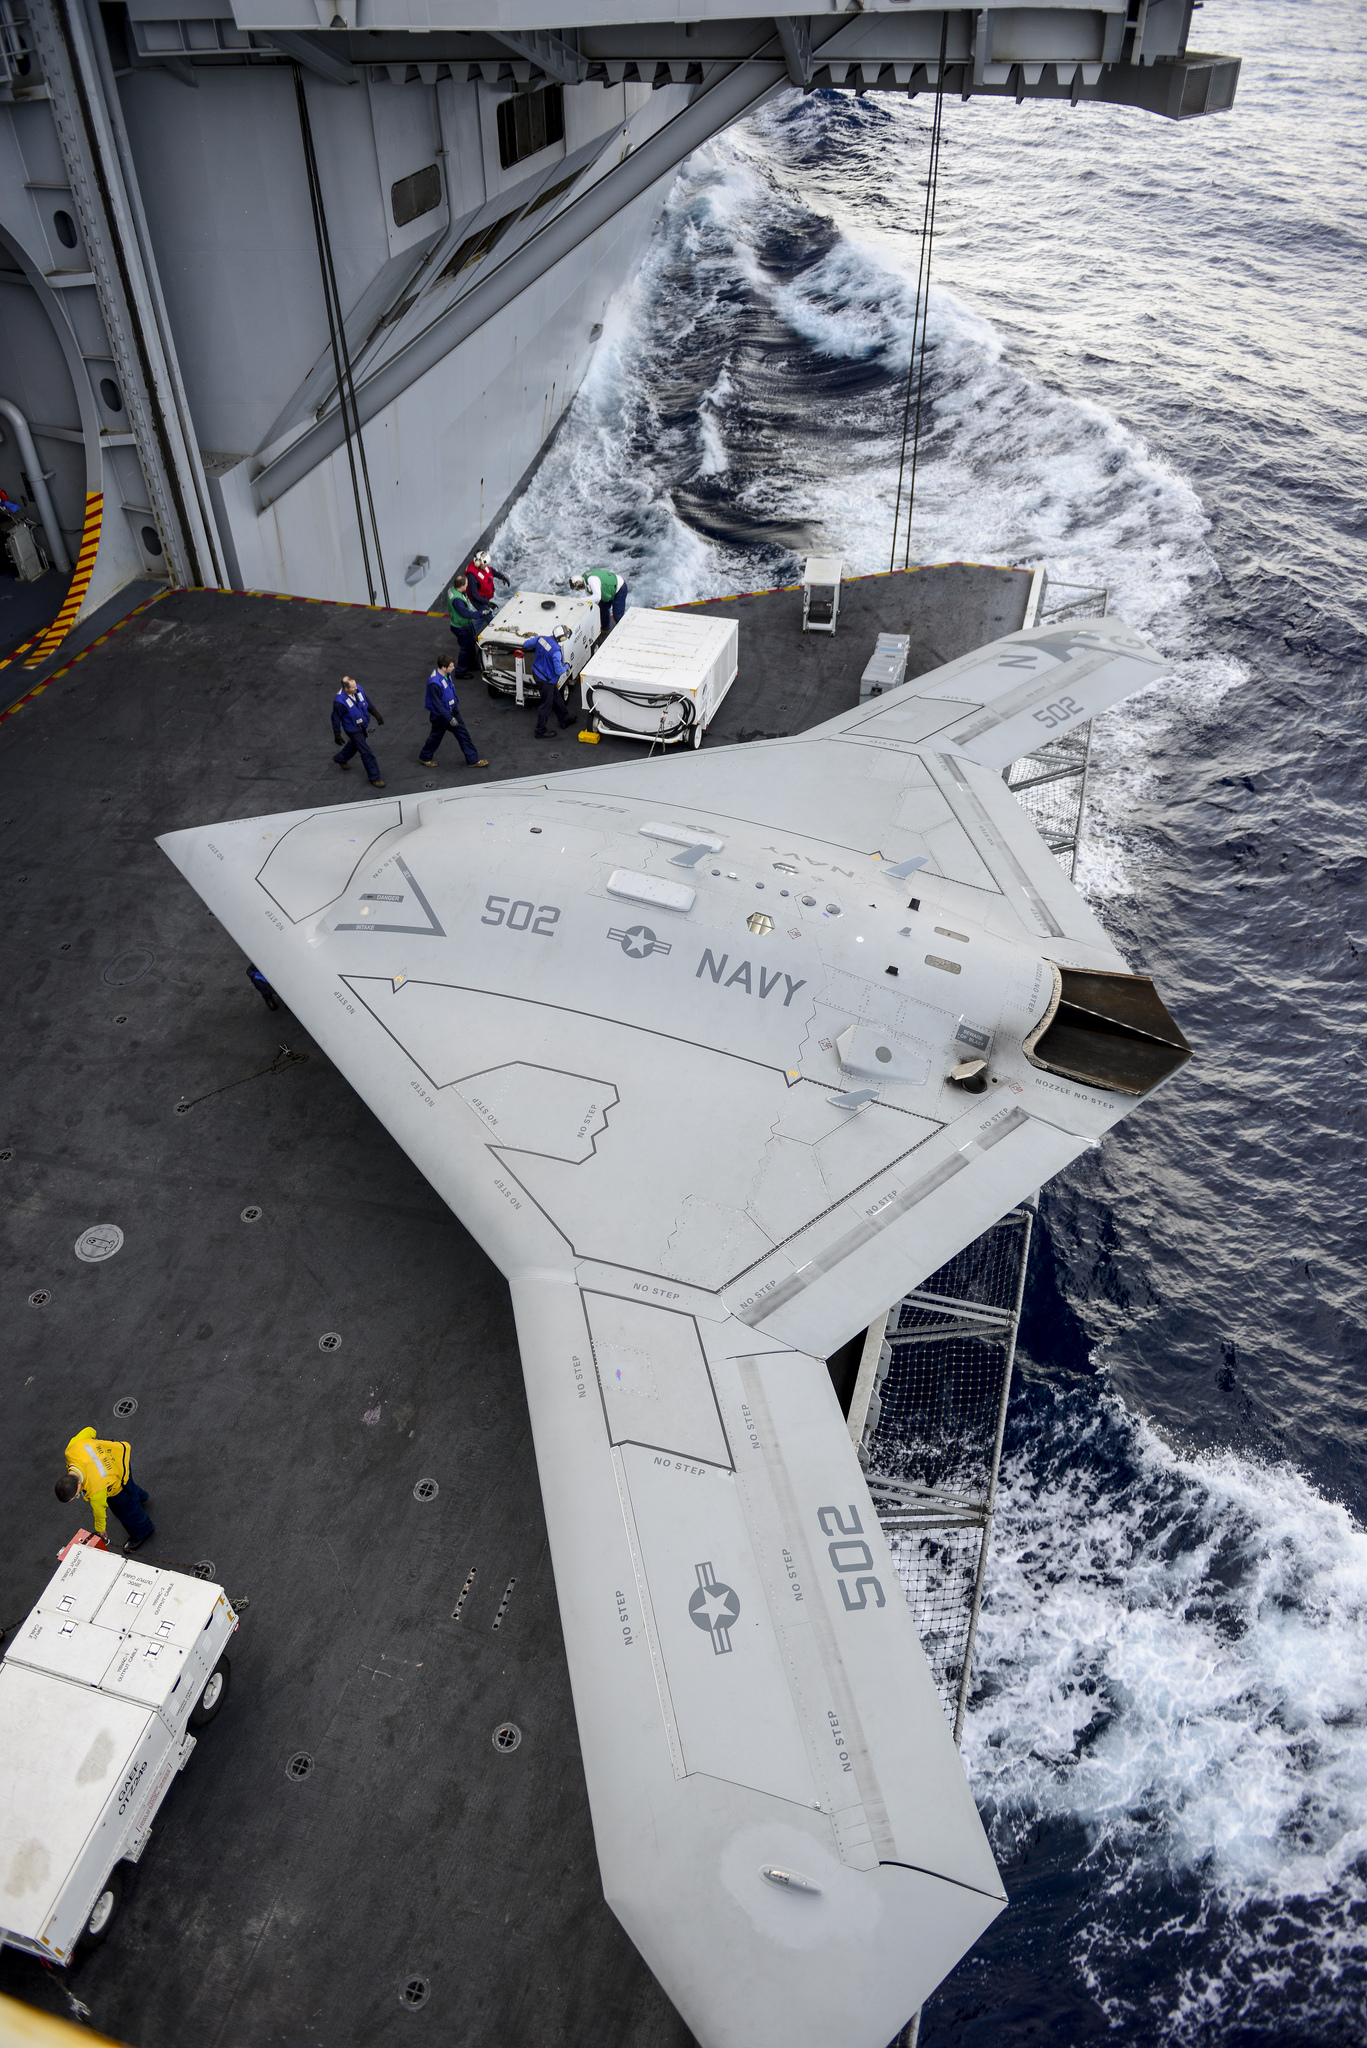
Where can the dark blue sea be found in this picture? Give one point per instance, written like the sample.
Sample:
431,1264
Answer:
1147,369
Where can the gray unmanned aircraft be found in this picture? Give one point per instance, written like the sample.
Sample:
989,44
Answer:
716,1057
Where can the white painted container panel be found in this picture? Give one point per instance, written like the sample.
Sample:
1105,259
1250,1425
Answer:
661,652
146,1671
135,1586
81,1582
67,1753
78,1650
178,1610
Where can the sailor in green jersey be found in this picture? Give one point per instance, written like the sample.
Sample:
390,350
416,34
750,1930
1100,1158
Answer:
608,591
468,620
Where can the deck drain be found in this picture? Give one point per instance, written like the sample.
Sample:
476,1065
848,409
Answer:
122,1017
130,966
329,1341
6,1154
204,1569
251,1214
426,1489
464,1592
503,1603
101,1241
39,1298
415,1992
507,1737
299,1766
126,1407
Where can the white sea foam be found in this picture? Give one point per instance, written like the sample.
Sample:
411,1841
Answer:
1011,472
1174,1659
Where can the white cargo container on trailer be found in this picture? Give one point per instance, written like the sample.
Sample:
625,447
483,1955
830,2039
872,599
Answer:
100,1689
661,675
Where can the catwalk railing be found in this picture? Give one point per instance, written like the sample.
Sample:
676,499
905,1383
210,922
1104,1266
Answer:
928,1415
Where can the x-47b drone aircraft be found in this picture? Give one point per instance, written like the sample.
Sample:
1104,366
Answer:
716,1057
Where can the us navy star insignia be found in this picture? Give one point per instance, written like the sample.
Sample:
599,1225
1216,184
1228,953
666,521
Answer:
714,1607
638,942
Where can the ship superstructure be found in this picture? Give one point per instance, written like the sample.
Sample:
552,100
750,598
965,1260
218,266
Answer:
295,294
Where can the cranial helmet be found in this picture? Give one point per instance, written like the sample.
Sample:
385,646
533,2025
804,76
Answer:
577,583
481,560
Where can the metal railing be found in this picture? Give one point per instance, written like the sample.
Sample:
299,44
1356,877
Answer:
928,1419
929,1416
18,62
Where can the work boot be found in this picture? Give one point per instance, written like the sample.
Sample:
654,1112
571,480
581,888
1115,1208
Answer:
345,766
378,784
130,1546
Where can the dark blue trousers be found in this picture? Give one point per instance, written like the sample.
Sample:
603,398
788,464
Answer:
128,1506
550,698
440,728
610,614
469,662
358,744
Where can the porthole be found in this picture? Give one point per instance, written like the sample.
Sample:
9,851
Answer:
111,394
151,540
66,228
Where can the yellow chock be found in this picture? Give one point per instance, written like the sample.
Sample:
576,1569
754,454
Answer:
590,739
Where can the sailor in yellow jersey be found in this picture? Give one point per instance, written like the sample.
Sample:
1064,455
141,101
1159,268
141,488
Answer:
103,1473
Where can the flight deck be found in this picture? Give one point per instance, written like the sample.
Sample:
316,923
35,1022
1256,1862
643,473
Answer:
386,1829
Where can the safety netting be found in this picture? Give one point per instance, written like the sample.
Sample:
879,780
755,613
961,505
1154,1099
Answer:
949,1349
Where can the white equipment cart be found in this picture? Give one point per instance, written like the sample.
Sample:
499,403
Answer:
100,1690
528,612
821,593
661,676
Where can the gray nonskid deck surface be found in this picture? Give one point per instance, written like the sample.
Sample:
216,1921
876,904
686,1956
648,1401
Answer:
267,1910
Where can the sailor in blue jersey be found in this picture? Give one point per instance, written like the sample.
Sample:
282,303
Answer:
443,708
548,668
352,712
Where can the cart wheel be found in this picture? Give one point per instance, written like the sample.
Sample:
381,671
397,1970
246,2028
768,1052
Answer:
213,1695
102,1913
697,732
495,694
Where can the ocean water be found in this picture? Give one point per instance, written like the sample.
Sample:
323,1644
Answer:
1147,367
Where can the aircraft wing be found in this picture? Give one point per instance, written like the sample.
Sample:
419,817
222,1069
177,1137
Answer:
1016,694
674,1039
